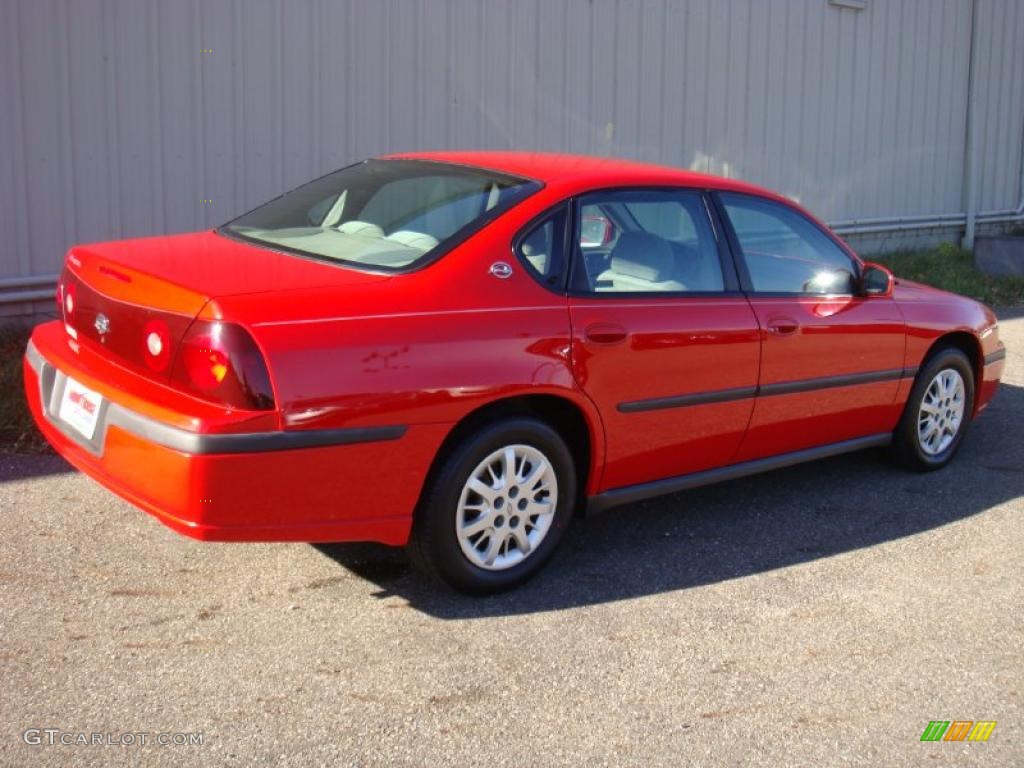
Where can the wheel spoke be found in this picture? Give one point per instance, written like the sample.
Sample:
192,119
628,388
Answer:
493,548
522,540
530,482
535,508
508,465
480,488
476,526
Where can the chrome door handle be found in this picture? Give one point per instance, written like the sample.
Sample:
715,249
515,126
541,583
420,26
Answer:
783,326
604,333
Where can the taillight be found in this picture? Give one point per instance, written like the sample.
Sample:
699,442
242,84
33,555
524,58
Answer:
220,362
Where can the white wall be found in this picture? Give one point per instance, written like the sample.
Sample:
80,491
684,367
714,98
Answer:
115,123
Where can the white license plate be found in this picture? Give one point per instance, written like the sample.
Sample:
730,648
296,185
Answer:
80,408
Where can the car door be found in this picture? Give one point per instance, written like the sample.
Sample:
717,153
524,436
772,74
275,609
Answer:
831,360
664,342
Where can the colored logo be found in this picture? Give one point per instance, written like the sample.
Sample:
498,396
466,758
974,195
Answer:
82,402
958,730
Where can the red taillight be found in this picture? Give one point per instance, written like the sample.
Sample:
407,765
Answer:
207,367
220,361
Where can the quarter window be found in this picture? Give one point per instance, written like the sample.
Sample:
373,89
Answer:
646,241
541,249
784,252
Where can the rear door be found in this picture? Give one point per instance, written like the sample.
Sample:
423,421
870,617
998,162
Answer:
663,340
831,360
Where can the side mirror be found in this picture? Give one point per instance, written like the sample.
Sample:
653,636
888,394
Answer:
876,280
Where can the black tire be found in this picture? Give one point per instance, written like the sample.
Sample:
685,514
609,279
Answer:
906,446
434,547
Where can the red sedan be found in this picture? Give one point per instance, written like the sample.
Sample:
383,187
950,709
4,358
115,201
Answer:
457,351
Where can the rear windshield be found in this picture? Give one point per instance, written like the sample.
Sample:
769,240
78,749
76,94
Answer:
385,215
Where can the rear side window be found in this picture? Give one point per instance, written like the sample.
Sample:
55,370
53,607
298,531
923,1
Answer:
785,252
541,249
646,241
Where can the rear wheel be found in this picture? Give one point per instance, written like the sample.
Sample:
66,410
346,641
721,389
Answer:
496,508
938,412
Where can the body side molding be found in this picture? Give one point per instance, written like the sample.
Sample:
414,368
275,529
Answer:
766,390
51,387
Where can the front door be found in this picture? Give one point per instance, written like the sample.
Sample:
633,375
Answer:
831,360
663,341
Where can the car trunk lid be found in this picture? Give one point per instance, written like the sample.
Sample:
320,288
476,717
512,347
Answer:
132,301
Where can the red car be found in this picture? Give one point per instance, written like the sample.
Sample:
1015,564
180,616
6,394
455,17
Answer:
457,351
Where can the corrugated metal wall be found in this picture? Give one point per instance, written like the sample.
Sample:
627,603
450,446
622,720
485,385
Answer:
124,117
1000,103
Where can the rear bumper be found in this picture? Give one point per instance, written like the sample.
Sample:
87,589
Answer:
318,486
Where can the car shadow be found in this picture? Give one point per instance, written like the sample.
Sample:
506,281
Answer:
736,529
21,466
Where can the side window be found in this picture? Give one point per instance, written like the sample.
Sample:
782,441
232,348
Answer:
784,252
646,241
541,249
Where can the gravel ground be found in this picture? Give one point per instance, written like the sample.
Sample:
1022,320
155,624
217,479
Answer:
819,615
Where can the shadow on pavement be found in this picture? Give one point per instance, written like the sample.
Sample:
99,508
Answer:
20,466
739,528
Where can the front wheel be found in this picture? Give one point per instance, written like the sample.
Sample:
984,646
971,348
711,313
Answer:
496,508
937,413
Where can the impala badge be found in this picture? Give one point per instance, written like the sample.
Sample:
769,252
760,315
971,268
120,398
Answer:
501,269
102,324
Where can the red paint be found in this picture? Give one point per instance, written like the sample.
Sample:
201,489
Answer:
345,349
824,338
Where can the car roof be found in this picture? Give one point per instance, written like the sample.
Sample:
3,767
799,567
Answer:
585,170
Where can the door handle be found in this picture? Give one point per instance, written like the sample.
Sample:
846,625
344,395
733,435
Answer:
604,333
783,326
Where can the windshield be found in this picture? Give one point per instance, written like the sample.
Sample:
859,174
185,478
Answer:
383,214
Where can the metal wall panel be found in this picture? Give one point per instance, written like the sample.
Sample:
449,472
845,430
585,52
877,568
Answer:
115,121
1001,104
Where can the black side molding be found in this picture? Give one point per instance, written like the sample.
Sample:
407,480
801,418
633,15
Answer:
766,390
679,401
633,493
51,387
828,382
257,442
995,357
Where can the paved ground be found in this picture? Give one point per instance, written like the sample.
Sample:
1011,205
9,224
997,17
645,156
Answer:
816,616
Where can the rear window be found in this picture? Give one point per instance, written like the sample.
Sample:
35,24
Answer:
385,215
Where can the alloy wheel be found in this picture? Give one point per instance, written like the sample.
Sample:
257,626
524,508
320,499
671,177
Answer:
941,412
506,507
